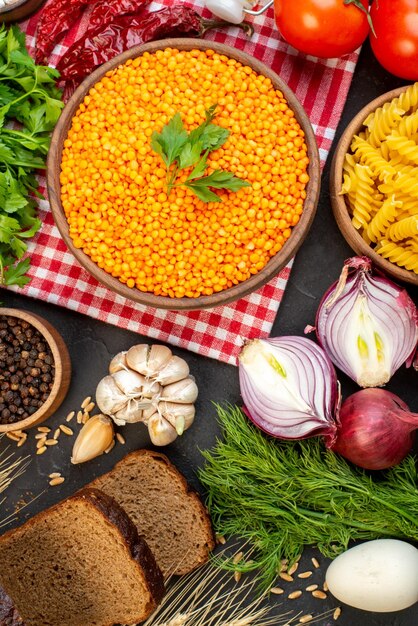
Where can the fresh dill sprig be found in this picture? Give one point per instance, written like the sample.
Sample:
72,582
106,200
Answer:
281,496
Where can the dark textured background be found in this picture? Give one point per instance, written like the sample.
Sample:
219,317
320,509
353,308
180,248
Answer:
92,344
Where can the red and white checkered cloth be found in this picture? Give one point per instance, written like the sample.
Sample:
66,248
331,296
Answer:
321,86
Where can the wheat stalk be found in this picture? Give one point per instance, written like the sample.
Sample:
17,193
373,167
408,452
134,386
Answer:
10,469
205,598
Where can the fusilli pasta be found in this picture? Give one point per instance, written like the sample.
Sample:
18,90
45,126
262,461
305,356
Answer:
380,180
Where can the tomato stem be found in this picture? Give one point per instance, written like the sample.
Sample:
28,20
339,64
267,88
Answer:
360,5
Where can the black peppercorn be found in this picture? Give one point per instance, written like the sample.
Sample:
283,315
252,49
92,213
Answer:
26,370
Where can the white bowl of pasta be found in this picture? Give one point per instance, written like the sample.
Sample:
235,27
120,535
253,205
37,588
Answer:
374,183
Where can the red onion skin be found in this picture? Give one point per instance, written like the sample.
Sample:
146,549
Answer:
376,429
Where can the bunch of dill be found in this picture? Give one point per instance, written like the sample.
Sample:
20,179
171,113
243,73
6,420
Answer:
283,495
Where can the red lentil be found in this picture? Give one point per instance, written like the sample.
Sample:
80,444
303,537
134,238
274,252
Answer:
113,186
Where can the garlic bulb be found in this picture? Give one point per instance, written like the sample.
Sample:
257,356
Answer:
93,439
151,385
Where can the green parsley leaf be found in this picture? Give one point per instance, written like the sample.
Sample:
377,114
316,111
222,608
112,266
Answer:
170,141
22,58
14,202
219,179
189,154
213,137
199,168
203,193
9,226
15,274
53,108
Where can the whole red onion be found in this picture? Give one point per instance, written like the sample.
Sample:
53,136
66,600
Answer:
376,429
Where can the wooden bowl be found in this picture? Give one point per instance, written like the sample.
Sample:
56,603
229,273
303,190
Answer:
274,265
62,365
338,202
20,10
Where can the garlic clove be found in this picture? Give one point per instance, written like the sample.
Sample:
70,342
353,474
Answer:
146,413
93,439
137,358
160,431
118,363
158,358
109,398
183,391
131,413
180,416
175,369
129,382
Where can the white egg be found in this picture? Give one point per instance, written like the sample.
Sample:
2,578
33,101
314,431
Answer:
380,575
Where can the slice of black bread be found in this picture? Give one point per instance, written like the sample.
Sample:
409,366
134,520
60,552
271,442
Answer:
79,563
169,515
8,613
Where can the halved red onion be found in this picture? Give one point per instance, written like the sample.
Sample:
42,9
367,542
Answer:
367,325
289,387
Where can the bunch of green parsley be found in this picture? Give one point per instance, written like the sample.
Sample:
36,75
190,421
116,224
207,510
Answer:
30,105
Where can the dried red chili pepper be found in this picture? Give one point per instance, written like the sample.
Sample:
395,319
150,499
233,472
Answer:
103,12
56,19
101,44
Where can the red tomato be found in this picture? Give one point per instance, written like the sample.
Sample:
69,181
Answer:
396,42
322,28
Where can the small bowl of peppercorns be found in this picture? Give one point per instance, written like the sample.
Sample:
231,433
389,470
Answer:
35,369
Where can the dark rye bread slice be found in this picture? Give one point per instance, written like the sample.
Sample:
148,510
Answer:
8,613
79,563
169,515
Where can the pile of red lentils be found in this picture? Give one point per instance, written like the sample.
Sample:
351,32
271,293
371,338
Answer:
114,189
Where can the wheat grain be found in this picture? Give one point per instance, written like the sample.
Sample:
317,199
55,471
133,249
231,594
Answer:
319,594
85,402
12,436
294,595
57,481
66,430
276,591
